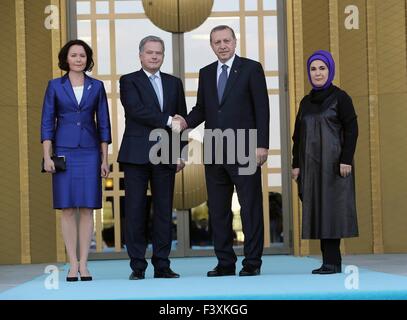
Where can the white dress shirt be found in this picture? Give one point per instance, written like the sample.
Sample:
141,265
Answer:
158,81
78,91
229,63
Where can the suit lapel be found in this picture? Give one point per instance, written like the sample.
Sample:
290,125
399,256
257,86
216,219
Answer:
66,84
213,75
166,90
145,81
233,75
87,86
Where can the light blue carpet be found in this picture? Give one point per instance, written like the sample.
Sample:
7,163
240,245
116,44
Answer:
283,277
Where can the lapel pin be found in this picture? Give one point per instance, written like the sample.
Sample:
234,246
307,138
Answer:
90,86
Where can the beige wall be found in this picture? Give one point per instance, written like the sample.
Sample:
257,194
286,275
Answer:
392,100
353,65
28,222
39,71
9,182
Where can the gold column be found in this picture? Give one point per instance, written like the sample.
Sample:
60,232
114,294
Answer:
23,134
292,106
114,122
262,59
374,129
296,53
334,49
58,37
266,205
242,23
334,37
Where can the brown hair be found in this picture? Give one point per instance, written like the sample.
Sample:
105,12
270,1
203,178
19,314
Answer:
63,55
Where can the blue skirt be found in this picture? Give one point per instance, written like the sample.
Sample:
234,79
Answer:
80,186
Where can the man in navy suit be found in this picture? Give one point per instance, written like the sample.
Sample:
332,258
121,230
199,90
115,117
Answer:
232,97
150,99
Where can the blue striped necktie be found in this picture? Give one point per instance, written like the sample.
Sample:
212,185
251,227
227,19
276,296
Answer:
157,91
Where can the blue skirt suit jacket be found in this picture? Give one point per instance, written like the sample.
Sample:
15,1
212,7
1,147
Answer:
76,131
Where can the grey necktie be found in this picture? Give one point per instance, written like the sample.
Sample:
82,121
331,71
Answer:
223,78
157,91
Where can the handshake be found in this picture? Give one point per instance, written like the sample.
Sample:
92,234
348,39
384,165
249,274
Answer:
178,124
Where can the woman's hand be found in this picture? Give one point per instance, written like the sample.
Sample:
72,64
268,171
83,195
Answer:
49,165
104,169
295,173
345,170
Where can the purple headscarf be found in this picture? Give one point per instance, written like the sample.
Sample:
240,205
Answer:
325,57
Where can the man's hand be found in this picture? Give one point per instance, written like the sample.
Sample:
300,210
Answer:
261,156
180,165
178,124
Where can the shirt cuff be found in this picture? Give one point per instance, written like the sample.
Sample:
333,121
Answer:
169,122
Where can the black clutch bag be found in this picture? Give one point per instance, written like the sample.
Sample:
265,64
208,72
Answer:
59,162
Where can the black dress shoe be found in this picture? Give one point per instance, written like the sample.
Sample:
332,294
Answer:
249,271
71,279
317,271
330,269
137,275
221,271
165,273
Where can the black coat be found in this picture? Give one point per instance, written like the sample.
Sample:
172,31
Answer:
325,135
245,102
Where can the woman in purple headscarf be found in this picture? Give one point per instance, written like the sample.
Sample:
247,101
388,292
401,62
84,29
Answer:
325,136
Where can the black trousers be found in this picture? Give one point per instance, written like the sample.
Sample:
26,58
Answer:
162,179
220,182
331,252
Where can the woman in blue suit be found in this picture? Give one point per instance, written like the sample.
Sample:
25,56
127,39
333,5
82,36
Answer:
75,124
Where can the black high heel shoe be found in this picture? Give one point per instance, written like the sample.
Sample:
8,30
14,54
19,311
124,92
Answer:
71,279
85,278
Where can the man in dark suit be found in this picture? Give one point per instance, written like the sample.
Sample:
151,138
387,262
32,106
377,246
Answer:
150,99
232,96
